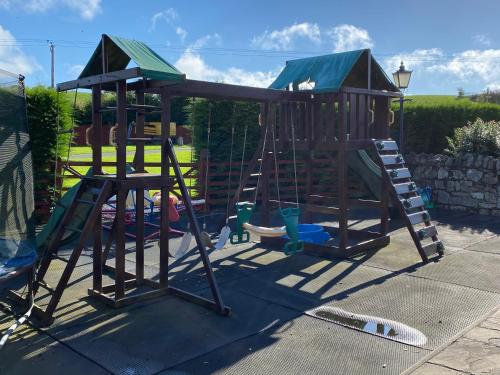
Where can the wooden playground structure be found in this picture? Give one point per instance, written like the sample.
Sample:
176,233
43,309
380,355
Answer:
313,123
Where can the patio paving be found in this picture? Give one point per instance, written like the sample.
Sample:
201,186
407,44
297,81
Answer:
269,331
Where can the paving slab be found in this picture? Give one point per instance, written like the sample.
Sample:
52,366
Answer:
431,369
303,346
470,356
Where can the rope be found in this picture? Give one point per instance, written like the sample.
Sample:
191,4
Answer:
193,122
230,162
276,170
207,160
294,160
58,124
260,165
243,153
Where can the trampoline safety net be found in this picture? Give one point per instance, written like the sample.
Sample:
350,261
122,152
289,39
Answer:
17,226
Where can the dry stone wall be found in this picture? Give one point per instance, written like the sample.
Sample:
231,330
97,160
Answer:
467,182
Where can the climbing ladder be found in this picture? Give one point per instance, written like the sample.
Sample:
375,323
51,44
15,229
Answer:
92,193
409,202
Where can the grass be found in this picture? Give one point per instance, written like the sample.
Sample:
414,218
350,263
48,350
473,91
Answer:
152,155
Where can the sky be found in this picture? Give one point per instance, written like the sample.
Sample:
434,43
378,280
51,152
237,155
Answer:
449,44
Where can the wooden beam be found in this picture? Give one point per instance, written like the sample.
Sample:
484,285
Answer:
355,90
214,90
88,82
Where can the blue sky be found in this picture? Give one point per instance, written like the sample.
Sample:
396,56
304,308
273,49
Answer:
448,44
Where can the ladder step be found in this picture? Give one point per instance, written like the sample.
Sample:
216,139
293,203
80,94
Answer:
400,173
427,232
405,188
383,145
253,188
94,191
73,229
84,201
255,174
419,217
392,159
433,248
413,202
46,286
144,139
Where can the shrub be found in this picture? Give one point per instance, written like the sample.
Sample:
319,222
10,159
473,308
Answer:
44,106
482,137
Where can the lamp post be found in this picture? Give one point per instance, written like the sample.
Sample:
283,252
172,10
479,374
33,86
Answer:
402,80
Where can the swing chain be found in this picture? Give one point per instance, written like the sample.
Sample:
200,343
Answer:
233,125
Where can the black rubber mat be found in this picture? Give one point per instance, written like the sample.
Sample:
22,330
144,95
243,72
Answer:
468,268
306,346
490,245
151,338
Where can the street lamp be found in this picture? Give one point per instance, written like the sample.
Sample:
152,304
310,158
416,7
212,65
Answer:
402,80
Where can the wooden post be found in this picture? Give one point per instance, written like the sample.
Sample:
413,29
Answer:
121,196
165,188
342,170
96,170
139,193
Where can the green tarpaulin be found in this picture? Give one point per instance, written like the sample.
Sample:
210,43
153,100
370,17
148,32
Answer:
119,53
331,72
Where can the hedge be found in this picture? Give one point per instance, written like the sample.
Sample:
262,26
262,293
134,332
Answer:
427,125
44,106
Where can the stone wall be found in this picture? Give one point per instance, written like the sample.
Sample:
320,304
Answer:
467,182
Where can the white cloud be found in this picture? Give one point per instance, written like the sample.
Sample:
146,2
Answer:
471,67
284,39
168,15
12,58
419,58
192,64
349,37
181,33
75,70
482,39
87,9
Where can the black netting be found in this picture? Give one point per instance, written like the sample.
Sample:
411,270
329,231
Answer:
17,227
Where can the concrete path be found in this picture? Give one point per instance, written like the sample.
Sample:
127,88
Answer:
476,352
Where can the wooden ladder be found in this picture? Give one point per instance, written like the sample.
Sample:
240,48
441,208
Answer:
409,202
93,193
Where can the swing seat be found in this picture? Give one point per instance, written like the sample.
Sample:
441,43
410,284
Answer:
265,231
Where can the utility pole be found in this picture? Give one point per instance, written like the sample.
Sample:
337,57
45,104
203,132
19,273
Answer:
52,64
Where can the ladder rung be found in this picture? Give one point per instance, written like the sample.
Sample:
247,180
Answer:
406,187
392,159
419,217
95,191
383,145
84,201
144,106
253,188
73,229
413,202
427,232
400,173
46,286
433,248
255,174
145,139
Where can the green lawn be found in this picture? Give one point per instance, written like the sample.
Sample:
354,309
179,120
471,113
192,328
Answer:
152,154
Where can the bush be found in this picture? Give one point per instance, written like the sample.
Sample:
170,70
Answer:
44,106
428,125
246,114
481,137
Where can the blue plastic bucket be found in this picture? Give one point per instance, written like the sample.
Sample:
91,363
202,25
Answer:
312,233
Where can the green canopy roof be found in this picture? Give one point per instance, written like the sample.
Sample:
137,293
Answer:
331,72
119,53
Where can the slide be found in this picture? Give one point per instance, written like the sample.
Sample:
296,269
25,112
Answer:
363,166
